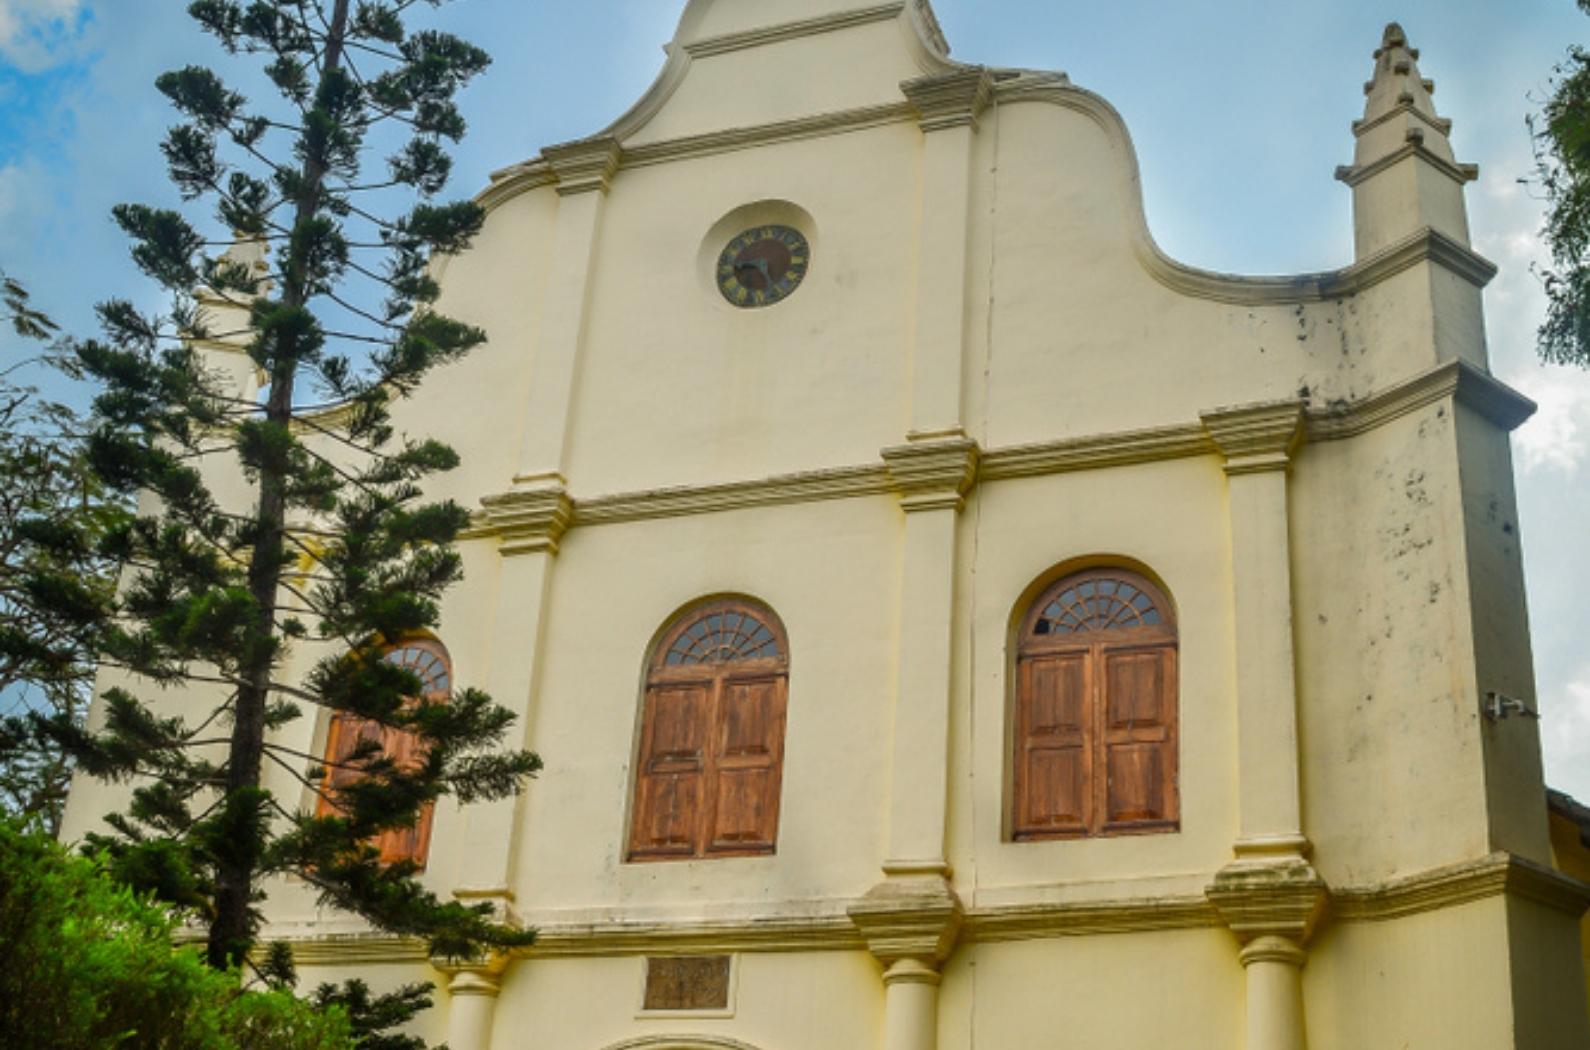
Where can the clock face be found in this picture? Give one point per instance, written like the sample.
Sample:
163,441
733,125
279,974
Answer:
763,265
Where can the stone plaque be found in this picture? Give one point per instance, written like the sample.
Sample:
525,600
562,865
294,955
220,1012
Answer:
699,982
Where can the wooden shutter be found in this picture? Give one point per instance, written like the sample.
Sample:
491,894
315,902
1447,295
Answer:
1053,766
1138,741
746,759
343,738
411,843
1094,745
668,803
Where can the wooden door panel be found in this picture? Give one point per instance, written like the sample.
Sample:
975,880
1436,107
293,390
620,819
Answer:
1058,692
668,796
667,814
1053,760
752,720
747,765
676,731
1056,790
1134,689
1136,783
746,814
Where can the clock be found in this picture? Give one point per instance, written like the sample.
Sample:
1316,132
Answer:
763,266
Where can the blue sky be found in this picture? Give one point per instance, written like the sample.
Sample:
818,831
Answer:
1239,109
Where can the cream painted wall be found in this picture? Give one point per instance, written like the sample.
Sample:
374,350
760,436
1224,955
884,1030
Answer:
1403,594
1181,990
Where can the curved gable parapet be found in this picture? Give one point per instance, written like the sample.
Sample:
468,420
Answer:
841,55
1425,245
842,67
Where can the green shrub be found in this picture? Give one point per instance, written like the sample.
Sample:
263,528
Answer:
86,965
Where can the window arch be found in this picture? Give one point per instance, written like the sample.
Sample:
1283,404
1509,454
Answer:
427,659
711,754
1094,726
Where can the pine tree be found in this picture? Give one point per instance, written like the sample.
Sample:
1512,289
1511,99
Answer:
46,658
1562,167
339,547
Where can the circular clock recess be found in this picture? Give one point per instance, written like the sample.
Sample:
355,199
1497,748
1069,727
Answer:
763,265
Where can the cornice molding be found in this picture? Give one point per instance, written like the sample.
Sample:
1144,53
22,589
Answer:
1490,398
927,24
584,166
1484,394
358,949
1402,109
530,521
938,472
933,474
823,932
1257,438
1027,922
1457,884
806,487
950,100
1356,174
1426,245
731,140
508,183
1284,900
719,45
1270,899
915,917
1092,453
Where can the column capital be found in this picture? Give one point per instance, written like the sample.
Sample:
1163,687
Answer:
933,472
1273,950
529,521
1257,438
950,100
475,977
1270,899
584,165
911,919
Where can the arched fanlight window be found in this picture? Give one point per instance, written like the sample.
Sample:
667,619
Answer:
711,753
1094,734
427,659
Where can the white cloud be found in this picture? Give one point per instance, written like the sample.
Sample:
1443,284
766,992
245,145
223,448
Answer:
1558,437
1565,735
36,34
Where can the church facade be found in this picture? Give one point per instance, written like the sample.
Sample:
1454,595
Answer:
949,622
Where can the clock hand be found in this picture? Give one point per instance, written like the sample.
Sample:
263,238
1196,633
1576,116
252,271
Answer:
757,266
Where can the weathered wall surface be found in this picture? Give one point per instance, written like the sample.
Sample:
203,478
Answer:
990,376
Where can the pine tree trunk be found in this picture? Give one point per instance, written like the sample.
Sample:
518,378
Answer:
231,934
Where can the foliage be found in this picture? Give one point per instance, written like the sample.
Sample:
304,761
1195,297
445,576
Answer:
46,653
1562,166
87,963
16,311
336,547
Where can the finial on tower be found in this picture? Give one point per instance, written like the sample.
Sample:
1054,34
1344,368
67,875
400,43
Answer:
1404,174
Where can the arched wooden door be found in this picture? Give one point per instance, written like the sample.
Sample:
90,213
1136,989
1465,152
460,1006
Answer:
710,763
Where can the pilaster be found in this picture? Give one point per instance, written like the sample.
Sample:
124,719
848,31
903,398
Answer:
949,107
1258,442
910,922
530,524
1273,908
472,990
931,475
1270,896
584,171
